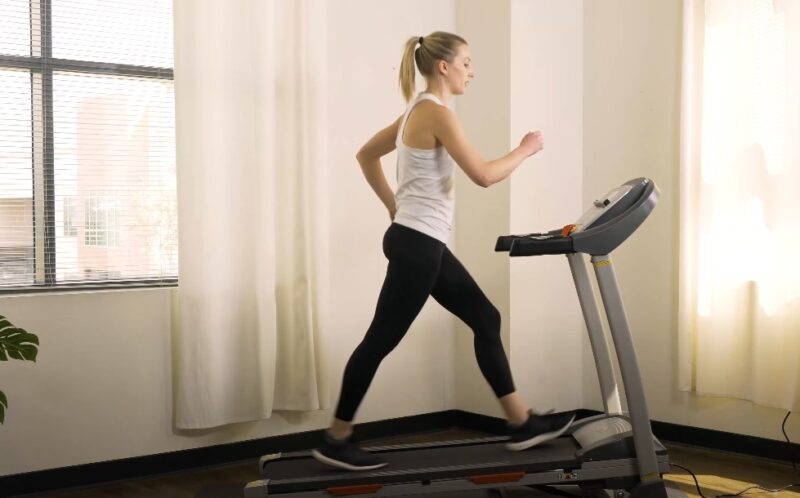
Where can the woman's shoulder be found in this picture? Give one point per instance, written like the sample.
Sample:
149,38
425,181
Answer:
430,103
434,111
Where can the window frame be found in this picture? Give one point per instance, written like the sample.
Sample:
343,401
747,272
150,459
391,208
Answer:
41,67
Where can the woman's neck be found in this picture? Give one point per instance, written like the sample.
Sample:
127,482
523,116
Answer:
439,90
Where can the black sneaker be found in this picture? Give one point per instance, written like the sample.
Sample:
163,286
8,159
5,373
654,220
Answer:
538,429
345,455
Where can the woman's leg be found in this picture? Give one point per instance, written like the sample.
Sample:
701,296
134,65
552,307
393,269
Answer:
457,291
414,260
515,409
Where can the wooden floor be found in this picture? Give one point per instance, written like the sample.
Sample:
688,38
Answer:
726,473
718,473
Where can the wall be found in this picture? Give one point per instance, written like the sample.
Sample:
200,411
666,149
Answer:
546,90
632,53
482,214
528,58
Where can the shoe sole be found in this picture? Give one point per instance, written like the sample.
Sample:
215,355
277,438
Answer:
342,465
541,438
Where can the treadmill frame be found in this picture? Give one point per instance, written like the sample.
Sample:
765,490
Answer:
650,460
601,474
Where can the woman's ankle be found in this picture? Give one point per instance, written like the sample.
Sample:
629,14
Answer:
517,423
340,429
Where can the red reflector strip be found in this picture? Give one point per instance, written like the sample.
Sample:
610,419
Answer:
494,478
362,489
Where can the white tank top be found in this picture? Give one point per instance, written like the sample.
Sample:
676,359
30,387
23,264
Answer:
424,197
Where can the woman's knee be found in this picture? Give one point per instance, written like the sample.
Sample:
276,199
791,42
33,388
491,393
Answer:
377,347
489,322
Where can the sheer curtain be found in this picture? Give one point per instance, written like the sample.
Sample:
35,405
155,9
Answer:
740,201
250,124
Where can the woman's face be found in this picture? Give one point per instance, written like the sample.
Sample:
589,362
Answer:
459,71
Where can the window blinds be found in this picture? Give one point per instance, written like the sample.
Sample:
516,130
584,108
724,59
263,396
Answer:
87,144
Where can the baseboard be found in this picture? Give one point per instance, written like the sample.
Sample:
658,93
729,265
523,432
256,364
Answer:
81,476
780,451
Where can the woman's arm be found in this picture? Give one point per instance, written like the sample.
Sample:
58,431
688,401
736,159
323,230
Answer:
450,133
369,157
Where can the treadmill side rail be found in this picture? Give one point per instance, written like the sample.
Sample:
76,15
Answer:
304,454
268,458
257,489
618,469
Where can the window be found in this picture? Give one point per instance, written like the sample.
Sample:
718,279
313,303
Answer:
102,229
87,144
739,299
69,217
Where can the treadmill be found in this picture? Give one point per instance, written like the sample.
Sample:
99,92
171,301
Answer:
612,451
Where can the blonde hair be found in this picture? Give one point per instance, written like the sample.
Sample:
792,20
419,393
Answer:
438,45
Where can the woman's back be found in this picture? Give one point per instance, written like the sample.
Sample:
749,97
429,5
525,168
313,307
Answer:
425,172
419,125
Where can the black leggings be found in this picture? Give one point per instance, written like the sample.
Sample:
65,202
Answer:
421,266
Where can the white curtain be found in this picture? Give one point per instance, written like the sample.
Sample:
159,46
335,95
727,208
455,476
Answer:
251,126
740,201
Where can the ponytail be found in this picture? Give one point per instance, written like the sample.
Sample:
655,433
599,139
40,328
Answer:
438,45
408,69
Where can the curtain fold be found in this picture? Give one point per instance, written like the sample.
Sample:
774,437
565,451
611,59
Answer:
250,125
739,305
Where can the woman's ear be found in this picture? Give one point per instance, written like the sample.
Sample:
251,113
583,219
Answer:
442,66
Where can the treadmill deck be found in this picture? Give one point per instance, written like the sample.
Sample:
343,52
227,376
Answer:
299,471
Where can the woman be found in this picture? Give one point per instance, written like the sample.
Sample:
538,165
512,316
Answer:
429,139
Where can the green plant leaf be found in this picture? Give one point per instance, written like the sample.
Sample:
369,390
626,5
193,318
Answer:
3,406
17,343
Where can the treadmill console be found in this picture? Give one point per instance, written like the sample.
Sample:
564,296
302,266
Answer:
600,206
604,226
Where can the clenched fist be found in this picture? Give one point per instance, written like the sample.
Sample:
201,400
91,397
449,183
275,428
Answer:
532,143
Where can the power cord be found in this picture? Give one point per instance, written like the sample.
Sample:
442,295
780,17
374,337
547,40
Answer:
783,429
740,493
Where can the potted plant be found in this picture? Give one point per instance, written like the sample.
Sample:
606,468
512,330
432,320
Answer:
17,344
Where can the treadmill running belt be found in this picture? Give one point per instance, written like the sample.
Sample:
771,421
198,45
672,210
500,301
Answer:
301,472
